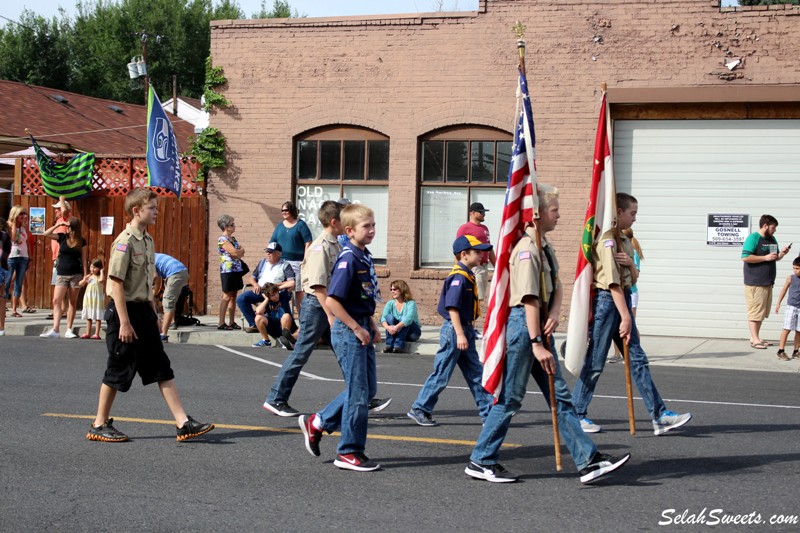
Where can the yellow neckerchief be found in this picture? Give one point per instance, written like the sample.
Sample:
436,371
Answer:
476,305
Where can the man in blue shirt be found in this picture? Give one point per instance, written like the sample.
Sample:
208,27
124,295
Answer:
176,277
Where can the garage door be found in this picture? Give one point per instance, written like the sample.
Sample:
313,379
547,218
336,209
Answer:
683,170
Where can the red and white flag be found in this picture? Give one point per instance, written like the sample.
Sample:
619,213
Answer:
600,215
519,209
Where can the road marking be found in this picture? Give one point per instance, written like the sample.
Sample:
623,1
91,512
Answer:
398,438
456,387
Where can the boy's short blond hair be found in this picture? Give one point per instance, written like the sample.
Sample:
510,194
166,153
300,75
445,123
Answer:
137,198
353,214
547,193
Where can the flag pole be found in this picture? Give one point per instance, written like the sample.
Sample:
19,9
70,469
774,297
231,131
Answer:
519,29
625,349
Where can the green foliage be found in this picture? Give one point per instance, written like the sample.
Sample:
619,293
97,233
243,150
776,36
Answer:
88,54
214,78
280,10
209,149
766,2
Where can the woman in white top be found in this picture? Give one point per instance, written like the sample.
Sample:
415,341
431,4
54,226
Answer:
19,258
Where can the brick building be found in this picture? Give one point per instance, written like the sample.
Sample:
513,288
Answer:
413,114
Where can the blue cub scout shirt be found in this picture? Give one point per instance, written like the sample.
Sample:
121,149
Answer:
458,292
351,284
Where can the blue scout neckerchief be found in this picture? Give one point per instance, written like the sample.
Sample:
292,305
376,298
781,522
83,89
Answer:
366,259
476,305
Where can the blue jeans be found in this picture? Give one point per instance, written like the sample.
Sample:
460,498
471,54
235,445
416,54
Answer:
520,363
410,333
350,409
604,329
313,325
245,302
445,363
18,265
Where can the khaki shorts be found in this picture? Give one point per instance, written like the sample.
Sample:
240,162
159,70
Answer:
175,283
481,280
759,300
72,282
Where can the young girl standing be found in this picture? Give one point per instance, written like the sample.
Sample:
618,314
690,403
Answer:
93,299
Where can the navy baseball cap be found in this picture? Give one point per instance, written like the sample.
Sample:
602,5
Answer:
467,242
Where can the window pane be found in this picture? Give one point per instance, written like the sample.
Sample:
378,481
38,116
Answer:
331,156
354,160
377,198
443,211
482,158
307,160
432,160
503,161
378,160
457,158
309,198
492,199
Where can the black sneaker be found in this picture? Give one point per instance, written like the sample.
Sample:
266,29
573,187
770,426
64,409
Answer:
600,465
281,409
494,473
191,429
355,461
106,433
286,335
311,435
376,405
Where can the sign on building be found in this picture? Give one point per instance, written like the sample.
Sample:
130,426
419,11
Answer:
727,229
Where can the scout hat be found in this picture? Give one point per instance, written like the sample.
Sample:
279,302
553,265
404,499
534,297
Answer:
466,242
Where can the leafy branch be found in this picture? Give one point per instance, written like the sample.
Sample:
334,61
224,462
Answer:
209,147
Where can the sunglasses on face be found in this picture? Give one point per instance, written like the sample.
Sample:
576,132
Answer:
285,211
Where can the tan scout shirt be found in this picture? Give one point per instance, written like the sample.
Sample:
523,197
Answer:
525,267
318,263
606,270
133,262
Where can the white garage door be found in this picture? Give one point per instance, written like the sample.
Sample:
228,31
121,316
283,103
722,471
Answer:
683,170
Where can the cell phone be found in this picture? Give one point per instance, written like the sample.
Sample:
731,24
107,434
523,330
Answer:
790,246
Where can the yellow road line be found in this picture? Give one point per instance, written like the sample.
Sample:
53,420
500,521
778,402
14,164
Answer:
281,430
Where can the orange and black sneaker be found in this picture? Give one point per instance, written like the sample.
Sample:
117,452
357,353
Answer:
106,433
192,428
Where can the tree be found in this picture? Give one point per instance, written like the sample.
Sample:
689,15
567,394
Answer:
36,51
280,10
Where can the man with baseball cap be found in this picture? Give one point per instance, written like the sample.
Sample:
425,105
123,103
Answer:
476,228
270,269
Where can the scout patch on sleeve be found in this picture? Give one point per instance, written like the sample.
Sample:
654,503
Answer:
317,248
525,255
342,265
455,283
608,243
122,247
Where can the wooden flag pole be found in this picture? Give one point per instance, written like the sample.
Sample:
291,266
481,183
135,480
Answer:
625,350
519,30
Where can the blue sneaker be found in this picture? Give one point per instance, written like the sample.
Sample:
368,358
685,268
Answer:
262,344
589,427
670,420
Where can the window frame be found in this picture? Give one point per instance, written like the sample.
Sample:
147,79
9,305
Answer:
340,134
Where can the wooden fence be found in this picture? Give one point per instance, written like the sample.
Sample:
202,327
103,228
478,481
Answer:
180,230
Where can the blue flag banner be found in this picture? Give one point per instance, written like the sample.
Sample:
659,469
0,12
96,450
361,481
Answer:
72,179
163,163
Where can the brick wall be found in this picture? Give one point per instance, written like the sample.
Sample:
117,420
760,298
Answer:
407,75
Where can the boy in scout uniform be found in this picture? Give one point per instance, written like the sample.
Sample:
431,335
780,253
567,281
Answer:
526,354
133,336
612,319
315,317
459,306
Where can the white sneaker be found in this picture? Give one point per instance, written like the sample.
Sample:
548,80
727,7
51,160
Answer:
69,334
2,333
590,427
52,334
670,420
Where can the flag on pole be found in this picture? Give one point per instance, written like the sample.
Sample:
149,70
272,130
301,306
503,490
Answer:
519,208
72,179
163,163
600,215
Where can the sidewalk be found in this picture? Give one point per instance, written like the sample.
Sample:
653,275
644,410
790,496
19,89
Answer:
662,351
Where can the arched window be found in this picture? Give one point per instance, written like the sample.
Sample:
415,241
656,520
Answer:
459,165
344,161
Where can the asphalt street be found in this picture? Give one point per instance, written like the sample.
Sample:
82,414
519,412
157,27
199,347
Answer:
738,459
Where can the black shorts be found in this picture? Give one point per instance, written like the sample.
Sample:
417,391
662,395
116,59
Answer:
231,281
145,355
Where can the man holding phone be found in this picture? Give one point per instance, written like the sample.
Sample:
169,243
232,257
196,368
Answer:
759,255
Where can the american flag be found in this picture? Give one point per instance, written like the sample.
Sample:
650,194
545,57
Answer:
521,206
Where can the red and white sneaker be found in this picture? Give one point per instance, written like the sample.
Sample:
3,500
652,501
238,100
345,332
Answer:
311,435
355,461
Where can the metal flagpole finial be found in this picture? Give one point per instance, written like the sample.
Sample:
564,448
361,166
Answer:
519,30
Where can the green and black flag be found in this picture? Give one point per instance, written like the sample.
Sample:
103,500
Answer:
72,179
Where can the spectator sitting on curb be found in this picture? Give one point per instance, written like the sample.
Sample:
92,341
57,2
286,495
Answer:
271,269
